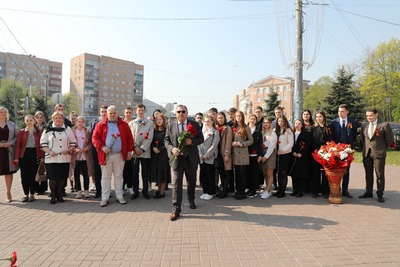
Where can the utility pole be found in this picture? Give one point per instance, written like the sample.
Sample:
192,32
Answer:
298,78
15,97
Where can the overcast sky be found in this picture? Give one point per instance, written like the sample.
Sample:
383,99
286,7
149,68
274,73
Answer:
198,52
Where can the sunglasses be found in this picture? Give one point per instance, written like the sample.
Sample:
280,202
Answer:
181,111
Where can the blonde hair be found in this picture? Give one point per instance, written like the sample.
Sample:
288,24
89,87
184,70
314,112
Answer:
57,113
8,113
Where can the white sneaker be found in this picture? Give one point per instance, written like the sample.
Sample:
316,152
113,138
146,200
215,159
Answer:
121,200
103,203
265,195
208,197
79,194
130,190
93,188
86,193
202,196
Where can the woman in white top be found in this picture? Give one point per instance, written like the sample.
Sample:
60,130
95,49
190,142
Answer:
208,152
285,144
58,141
269,158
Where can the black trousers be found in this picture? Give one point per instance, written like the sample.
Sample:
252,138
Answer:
208,171
97,172
240,178
128,173
29,166
253,177
81,168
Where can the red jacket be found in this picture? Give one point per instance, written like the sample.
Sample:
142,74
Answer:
22,139
100,135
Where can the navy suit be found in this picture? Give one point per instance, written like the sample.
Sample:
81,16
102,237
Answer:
345,135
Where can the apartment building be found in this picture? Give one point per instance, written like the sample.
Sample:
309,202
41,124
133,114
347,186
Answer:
257,92
32,71
102,80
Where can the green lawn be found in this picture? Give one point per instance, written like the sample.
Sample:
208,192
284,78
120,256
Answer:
393,157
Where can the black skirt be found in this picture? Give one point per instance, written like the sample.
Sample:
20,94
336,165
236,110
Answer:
57,171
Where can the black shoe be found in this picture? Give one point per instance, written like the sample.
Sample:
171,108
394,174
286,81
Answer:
158,195
223,194
60,199
314,195
97,195
135,195
239,196
53,200
192,205
251,194
299,195
63,194
146,195
293,194
347,194
281,195
325,195
366,195
381,199
25,199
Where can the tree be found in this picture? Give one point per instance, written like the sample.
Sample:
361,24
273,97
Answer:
7,86
314,97
270,104
38,103
381,79
343,92
71,103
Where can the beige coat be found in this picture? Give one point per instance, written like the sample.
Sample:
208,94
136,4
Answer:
226,146
240,155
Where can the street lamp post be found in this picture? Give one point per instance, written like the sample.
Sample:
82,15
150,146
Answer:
15,97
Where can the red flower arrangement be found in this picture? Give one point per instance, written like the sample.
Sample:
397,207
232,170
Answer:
190,132
234,130
12,259
146,136
278,142
377,133
334,156
114,136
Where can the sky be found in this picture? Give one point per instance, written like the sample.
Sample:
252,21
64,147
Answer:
199,52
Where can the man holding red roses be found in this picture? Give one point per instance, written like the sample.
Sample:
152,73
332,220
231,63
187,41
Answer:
184,157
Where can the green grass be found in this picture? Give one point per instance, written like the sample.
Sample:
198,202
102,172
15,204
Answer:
393,157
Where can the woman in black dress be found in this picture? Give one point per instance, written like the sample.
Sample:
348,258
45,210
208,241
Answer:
159,158
322,133
8,137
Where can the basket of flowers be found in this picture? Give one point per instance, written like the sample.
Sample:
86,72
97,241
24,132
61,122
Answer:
335,158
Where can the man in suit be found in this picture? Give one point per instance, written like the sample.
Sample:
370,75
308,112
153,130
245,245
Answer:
186,160
345,132
142,131
377,137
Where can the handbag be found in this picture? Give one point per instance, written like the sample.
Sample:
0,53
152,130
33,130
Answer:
41,173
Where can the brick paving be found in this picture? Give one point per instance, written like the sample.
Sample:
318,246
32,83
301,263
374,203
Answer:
221,232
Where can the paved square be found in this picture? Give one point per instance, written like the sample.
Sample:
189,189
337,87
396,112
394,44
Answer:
221,232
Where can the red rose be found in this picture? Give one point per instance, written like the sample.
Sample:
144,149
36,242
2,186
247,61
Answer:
254,151
262,145
191,129
377,133
234,130
278,142
15,162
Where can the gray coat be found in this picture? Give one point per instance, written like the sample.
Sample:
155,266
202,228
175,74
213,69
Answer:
12,137
209,148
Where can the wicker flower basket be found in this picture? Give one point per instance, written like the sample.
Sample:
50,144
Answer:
335,177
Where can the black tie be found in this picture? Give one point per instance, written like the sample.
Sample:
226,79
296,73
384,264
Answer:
343,124
183,129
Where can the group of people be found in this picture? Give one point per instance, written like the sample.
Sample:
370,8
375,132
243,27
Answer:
232,154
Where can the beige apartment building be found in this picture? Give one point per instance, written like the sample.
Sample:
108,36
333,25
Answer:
101,80
32,71
257,92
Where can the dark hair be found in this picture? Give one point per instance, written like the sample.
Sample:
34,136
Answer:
140,106
278,128
199,114
223,115
130,108
232,110
260,108
345,106
323,115
213,110
278,108
104,107
374,110
309,112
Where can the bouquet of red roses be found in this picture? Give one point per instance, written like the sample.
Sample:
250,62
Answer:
189,133
334,156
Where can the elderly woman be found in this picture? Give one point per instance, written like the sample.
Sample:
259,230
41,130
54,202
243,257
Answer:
8,137
57,142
